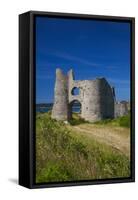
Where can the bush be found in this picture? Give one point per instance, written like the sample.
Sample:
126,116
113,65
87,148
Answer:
125,121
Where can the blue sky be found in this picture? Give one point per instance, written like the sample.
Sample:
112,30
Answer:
91,48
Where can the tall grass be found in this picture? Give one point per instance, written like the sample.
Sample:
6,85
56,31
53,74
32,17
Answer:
62,156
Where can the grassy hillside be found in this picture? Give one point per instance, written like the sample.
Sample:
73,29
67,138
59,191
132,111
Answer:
64,153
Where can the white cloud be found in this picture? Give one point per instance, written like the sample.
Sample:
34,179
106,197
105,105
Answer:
75,58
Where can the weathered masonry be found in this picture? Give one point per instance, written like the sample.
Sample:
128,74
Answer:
96,97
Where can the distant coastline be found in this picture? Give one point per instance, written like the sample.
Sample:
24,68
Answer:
43,104
45,107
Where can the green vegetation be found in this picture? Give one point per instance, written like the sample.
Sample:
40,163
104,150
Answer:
120,121
76,120
63,155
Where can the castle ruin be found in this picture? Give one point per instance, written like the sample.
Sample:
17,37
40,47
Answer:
96,97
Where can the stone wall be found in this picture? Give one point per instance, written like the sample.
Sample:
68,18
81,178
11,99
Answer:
97,98
121,108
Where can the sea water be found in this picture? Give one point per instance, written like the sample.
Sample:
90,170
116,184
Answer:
75,108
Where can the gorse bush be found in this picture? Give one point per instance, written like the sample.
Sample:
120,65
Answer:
62,156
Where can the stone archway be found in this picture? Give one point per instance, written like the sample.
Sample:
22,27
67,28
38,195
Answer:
75,107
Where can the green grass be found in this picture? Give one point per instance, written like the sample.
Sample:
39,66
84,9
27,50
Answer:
76,120
120,121
62,155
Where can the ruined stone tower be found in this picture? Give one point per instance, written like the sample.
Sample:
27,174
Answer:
60,108
96,97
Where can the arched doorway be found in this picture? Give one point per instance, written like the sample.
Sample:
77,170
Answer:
74,109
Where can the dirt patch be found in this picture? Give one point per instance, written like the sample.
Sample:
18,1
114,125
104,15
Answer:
117,137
